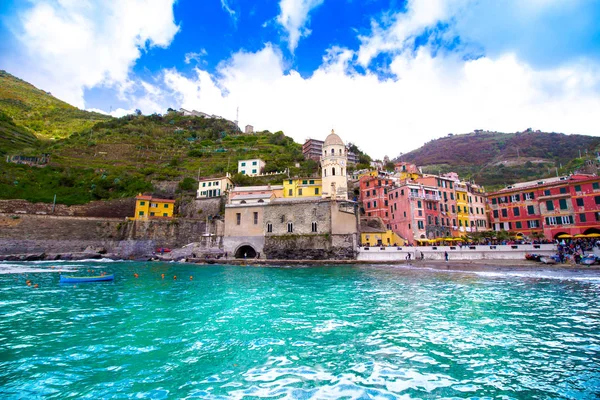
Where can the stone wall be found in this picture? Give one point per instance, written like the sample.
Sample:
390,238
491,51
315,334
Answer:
36,233
120,208
309,247
201,208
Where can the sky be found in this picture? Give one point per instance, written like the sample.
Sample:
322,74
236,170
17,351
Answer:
388,76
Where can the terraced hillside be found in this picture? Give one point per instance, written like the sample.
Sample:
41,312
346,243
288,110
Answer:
495,159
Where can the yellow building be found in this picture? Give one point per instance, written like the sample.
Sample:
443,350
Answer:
302,187
369,173
374,233
147,207
462,207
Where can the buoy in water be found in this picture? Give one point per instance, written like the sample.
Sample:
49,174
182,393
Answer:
191,278
174,277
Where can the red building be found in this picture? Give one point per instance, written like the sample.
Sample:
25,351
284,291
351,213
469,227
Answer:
374,196
448,216
553,206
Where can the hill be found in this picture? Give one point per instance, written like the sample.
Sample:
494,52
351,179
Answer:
495,159
39,112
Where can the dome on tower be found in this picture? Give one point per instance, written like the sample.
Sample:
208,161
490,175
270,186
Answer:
333,139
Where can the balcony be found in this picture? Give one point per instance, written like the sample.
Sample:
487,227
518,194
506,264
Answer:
424,196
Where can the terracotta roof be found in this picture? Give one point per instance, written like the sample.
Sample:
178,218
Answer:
150,198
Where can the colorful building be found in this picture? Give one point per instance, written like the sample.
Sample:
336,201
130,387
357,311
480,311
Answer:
407,171
553,206
373,232
374,196
302,187
415,212
462,206
148,207
478,211
214,187
448,217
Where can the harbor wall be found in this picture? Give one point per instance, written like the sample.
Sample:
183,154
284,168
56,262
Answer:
22,233
498,252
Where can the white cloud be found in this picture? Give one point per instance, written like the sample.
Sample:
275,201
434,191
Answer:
228,9
195,56
73,45
293,17
432,96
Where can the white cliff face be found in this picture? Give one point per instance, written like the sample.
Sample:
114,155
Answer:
334,164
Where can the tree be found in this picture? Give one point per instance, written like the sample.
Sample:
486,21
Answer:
187,184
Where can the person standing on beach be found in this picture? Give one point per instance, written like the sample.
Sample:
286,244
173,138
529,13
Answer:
446,256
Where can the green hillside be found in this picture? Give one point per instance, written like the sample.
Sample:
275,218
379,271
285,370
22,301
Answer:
495,159
39,112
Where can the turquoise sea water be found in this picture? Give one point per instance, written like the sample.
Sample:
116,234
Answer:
318,332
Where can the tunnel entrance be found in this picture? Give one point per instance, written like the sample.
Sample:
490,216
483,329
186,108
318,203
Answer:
245,251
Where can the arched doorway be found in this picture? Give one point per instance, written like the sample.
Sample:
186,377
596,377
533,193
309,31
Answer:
245,251
560,234
591,230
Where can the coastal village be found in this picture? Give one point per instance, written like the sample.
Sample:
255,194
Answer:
336,215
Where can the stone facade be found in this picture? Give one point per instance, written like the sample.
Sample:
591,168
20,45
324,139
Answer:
120,208
244,230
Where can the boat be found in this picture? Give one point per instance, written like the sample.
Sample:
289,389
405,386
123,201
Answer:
81,279
590,259
548,260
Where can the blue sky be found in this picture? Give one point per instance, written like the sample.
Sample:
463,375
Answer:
387,75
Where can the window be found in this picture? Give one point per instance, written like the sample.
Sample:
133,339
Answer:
141,213
495,213
504,213
597,199
420,213
451,196
255,218
269,227
253,171
550,205
562,203
152,214
243,164
290,227
459,222
142,203
332,170
516,211
314,226
243,172
563,190
404,214
253,162
304,182
420,225
596,185
419,204
165,215
374,204
530,210
300,192
528,196
166,206
533,223
578,188
316,190
238,218
385,203
518,225
312,182
374,192
579,202
290,192
494,200
453,209
369,204
547,192
582,217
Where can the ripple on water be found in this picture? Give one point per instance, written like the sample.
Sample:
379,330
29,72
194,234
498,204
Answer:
318,333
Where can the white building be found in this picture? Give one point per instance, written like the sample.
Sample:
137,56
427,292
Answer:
251,167
249,129
334,163
214,187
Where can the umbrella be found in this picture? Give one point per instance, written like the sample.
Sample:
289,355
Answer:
593,235
580,235
564,236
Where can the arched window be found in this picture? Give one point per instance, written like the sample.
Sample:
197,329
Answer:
340,152
332,152
325,171
290,227
332,171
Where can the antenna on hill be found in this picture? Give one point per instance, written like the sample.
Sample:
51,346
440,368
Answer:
237,116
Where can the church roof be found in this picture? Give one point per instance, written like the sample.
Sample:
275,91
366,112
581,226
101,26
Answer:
333,139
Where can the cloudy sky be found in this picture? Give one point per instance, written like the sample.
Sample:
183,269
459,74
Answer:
387,75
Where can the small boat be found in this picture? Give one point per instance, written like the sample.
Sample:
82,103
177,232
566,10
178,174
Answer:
588,260
548,260
80,279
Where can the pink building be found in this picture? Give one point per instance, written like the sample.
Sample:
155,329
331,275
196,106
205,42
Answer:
374,196
415,212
